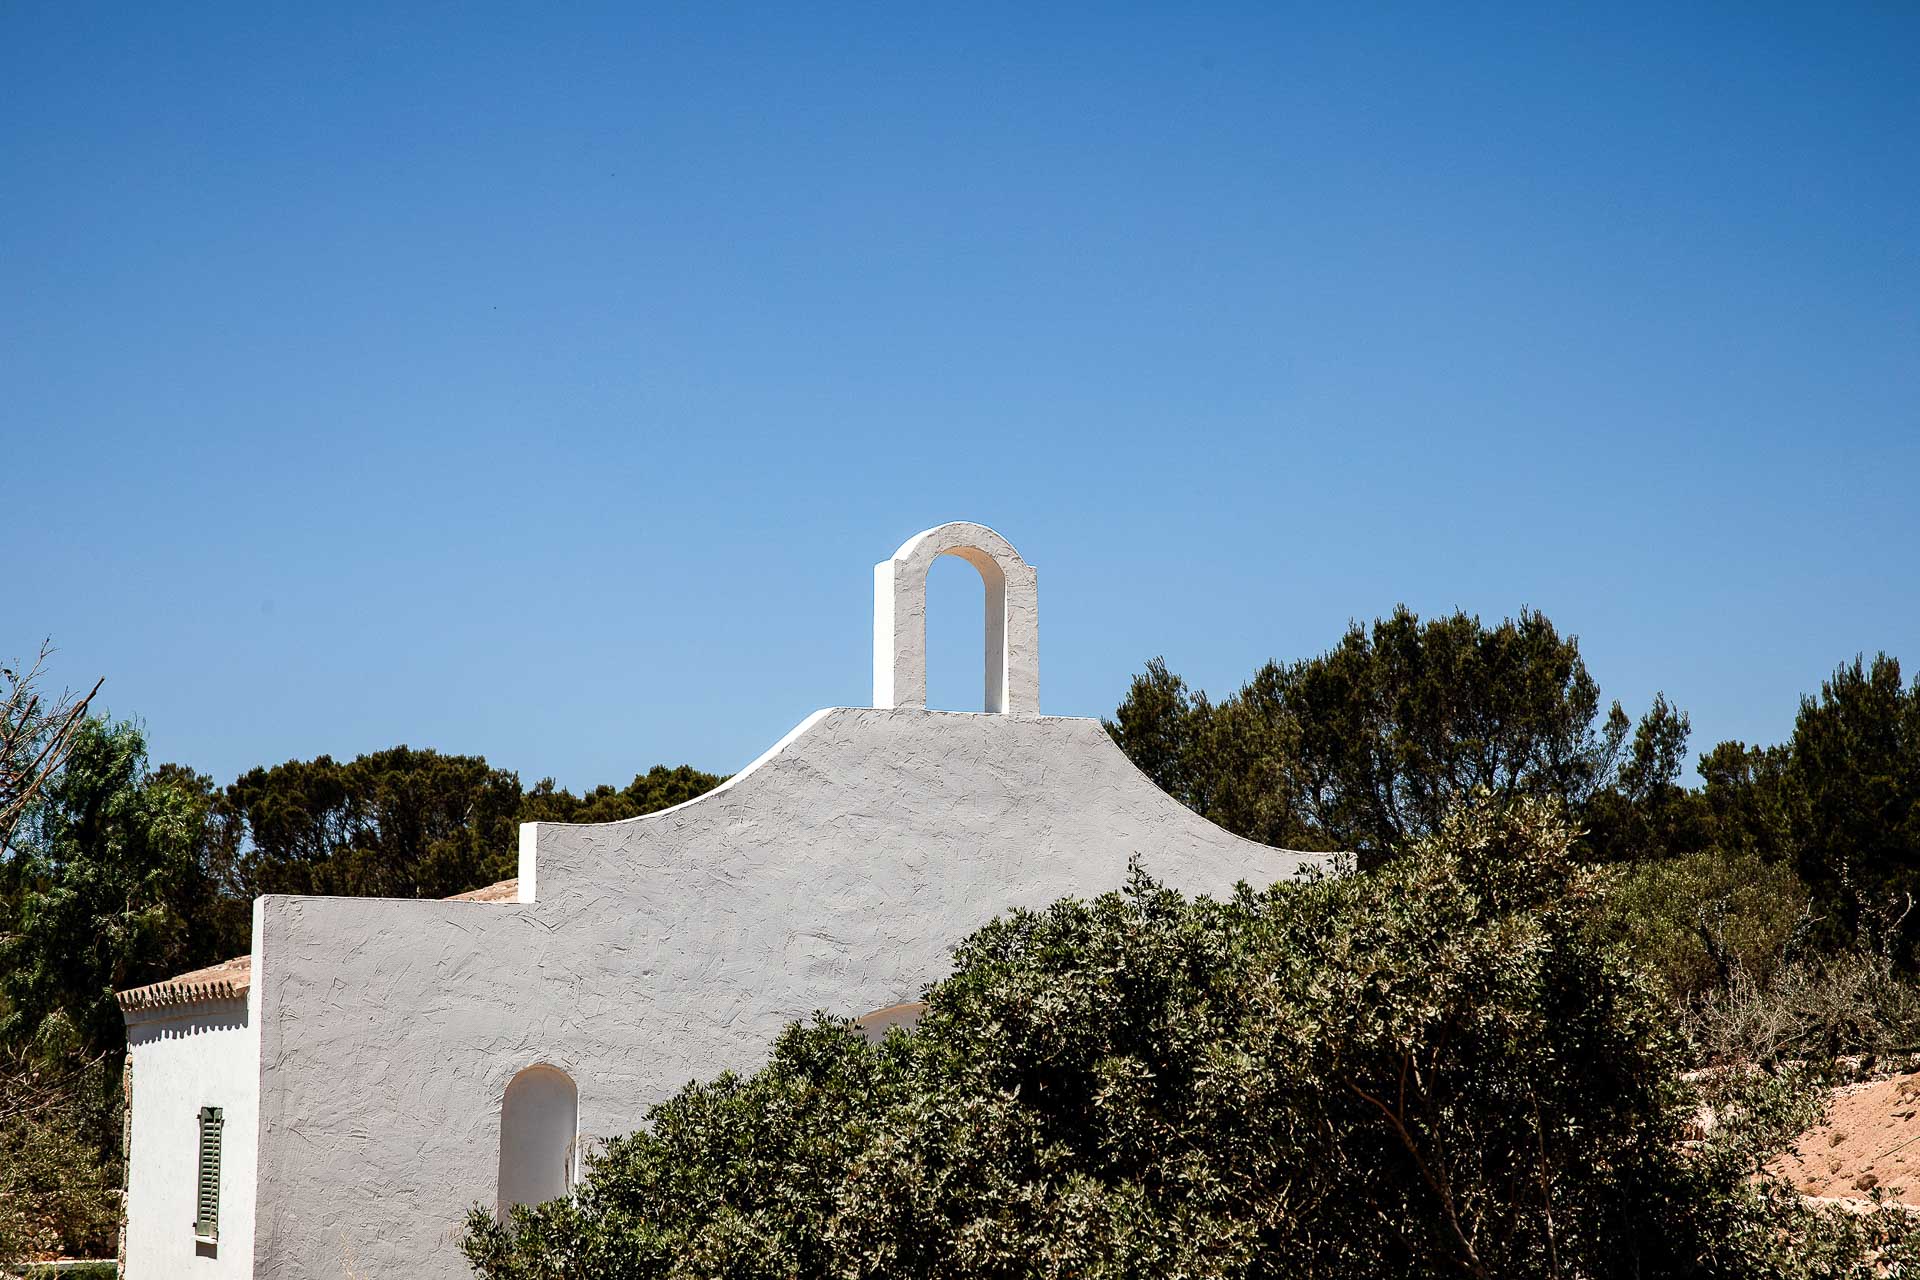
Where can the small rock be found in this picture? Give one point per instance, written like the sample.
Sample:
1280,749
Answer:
1835,1138
1866,1182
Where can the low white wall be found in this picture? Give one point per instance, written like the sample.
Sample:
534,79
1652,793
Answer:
185,1058
837,873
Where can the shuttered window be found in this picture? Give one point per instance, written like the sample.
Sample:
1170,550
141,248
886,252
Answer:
206,1223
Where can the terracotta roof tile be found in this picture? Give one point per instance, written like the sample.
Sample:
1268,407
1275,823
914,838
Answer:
227,980
505,891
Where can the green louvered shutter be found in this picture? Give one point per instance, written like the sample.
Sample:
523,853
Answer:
207,1223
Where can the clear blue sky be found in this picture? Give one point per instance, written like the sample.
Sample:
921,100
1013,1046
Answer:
543,382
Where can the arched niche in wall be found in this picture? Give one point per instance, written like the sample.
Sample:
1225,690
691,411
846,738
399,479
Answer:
874,1026
539,1128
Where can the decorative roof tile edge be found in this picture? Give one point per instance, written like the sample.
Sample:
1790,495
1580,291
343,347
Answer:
228,981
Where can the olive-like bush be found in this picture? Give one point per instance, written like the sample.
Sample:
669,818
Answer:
1694,922
1440,1067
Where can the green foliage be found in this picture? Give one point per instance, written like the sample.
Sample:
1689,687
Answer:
1753,799
1159,725
657,788
1432,1068
1363,747
1840,802
1695,921
405,823
1369,745
1736,941
1856,761
398,823
36,732
108,891
1645,814
110,875
57,1192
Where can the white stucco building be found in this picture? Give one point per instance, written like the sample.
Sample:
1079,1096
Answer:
376,1067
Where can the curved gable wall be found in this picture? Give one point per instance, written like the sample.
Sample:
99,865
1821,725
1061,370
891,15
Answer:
835,873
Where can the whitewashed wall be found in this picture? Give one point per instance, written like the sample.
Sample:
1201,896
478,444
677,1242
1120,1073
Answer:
835,873
185,1058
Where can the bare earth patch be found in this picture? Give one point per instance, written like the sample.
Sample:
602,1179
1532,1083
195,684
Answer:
1870,1139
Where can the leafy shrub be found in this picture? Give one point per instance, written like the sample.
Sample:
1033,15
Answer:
1428,1069
54,1194
57,1193
1693,921
1732,938
101,1270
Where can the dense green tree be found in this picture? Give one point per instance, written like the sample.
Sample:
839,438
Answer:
1647,813
1367,746
109,890
1856,765
399,823
1702,921
1159,725
1753,799
404,822
657,788
112,883
1430,1069
1839,803
1235,762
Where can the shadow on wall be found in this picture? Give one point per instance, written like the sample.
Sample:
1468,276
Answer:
205,1020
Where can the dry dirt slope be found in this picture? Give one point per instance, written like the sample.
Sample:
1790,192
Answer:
1870,1139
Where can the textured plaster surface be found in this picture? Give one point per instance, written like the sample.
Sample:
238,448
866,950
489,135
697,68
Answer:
835,873
185,1058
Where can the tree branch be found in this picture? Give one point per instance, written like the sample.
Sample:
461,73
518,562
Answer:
1434,1182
